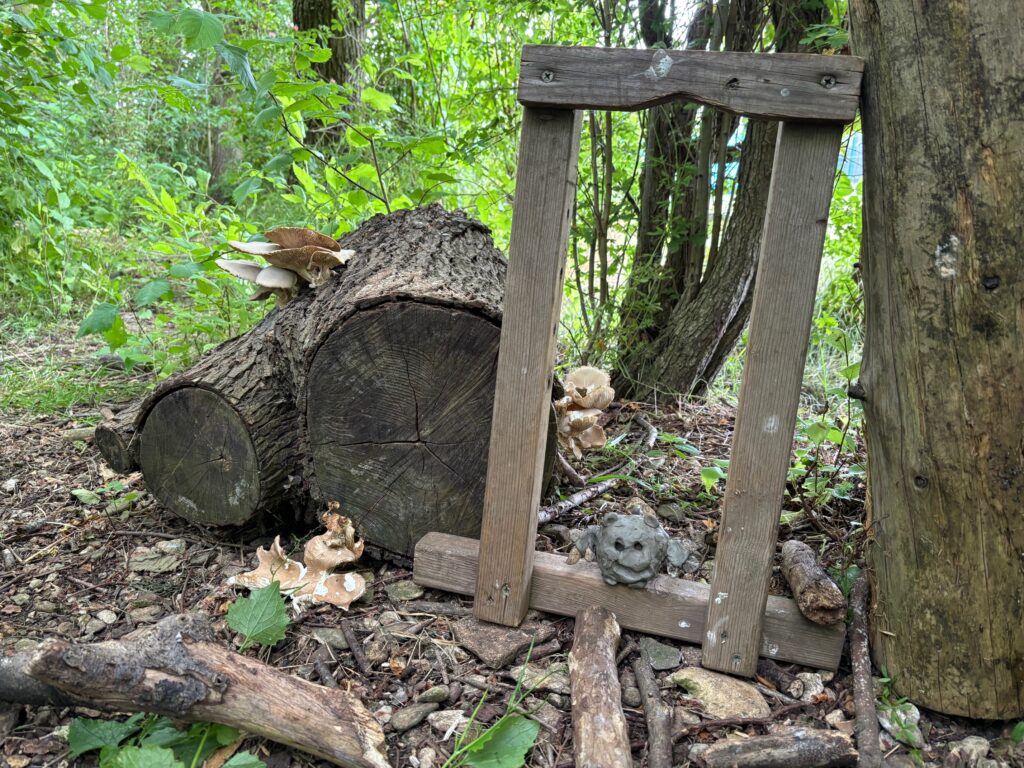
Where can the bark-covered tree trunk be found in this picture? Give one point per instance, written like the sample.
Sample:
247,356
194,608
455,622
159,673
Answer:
683,312
943,369
342,26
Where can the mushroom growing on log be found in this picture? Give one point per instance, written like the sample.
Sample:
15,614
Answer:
374,390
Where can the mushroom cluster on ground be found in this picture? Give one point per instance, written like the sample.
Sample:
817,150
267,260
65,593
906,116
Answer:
588,392
297,257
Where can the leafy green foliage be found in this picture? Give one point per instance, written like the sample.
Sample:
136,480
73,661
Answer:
260,618
85,735
1017,734
505,744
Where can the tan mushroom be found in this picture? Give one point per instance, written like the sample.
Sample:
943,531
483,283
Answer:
254,248
589,388
247,270
312,263
297,237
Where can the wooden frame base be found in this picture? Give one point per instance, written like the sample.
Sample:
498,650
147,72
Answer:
668,607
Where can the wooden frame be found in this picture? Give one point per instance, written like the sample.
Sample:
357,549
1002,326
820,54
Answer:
813,96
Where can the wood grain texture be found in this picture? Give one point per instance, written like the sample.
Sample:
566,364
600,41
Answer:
778,86
667,607
545,186
600,734
794,232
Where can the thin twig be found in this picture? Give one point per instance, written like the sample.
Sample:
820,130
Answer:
547,514
869,754
658,714
742,721
652,431
357,650
569,471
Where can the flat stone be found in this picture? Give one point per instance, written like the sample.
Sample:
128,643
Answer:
901,722
20,599
436,694
332,638
544,713
404,590
554,678
11,485
671,512
631,697
682,717
146,615
93,626
107,616
447,721
411,716
813,685
721,696
495,645
45,606
162,557
973,748
427,757
25,644
660,655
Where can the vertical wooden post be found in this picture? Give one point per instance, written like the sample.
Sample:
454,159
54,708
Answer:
545,188
787,276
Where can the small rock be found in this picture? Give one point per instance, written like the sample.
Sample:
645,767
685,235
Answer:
497,646
813,685
899,760
436,694
332,638
163,557
427,757
383,714
660,655
631,697
672,512
682,717
722,696
25,644
400,697
45,606
447,721
35,584
146,615
697,750
20,599
837,719
107,616
378,651
558,700
544,713
972,749
10,562
412,715
10,486
901,721
93,626
386,619
535,678
404,590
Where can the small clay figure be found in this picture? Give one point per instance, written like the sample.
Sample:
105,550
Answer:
631,549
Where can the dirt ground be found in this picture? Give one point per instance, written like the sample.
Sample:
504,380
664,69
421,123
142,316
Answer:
71,532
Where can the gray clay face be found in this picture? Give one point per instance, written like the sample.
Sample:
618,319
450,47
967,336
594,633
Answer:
630,549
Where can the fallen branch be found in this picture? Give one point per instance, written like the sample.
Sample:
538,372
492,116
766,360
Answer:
569,472
780,678
547,514
792,748
740,722
817,596
600,736
652,431
863,687
657,713
174,669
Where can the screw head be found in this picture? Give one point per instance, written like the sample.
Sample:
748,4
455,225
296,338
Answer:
547,76
828,81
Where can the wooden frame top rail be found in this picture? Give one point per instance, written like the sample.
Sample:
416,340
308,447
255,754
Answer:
777,86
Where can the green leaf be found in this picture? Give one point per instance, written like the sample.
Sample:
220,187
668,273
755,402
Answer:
85,735
99,320
505,744
185,270
116,335
120,52
201,29
851,372
261,617
151,292
1017,734
320,55
355,138
710,476
377,99
168,202
245,760
144,757
237,60
90,499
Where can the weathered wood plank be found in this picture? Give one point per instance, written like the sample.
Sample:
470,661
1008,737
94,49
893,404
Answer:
787,276
778,86
667,607
545,189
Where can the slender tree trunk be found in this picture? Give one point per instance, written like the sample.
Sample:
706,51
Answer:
943,368
342,25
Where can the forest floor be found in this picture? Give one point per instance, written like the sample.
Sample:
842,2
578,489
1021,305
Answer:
89,555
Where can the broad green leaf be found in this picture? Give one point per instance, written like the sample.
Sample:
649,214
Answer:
99,320
185,270
1017,734
143,757
201,29
168,202
320,55
120,52
377,99
505,744
90,499
440,176
355,138
237,60
162,21
85,735
710,476
116,335
264,116
139,63
850,372
245,760
151,292
304,178
261,617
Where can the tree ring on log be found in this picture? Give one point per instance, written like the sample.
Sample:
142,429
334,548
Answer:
399,417
198,458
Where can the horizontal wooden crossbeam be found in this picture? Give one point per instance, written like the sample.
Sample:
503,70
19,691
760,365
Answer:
777,86
668,607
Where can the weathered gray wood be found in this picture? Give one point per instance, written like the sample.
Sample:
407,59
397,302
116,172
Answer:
779,86
818,597
545,187
794,233
793,747
668,607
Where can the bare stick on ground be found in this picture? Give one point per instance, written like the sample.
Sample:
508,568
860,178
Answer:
173,668
652,431
547,514
599,733
783,681
863,688
791,748
569,472
658,714
817,596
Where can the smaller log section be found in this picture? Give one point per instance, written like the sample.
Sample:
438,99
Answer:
818,597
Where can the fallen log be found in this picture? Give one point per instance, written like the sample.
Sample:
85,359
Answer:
817,596
789,748
117,439
374,389
599,733
174,669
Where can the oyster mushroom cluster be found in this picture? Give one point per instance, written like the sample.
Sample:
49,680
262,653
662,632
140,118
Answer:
296,257
587,393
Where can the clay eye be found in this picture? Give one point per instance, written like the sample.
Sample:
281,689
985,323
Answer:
619,546
637,546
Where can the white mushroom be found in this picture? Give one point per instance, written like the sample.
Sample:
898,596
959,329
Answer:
589,388
247,270
275,277
254,248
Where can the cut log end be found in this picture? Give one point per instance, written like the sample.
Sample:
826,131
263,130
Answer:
817,596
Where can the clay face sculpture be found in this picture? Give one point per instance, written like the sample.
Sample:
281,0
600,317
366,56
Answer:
631,549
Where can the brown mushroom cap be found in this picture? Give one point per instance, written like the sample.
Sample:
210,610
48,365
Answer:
297,237
247,270
312,263
262,294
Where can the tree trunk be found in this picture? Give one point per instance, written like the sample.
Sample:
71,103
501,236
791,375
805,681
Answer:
943,369
341,25
374,390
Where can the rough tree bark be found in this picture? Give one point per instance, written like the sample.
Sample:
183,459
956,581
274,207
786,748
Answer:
342,25
374,390
943,369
